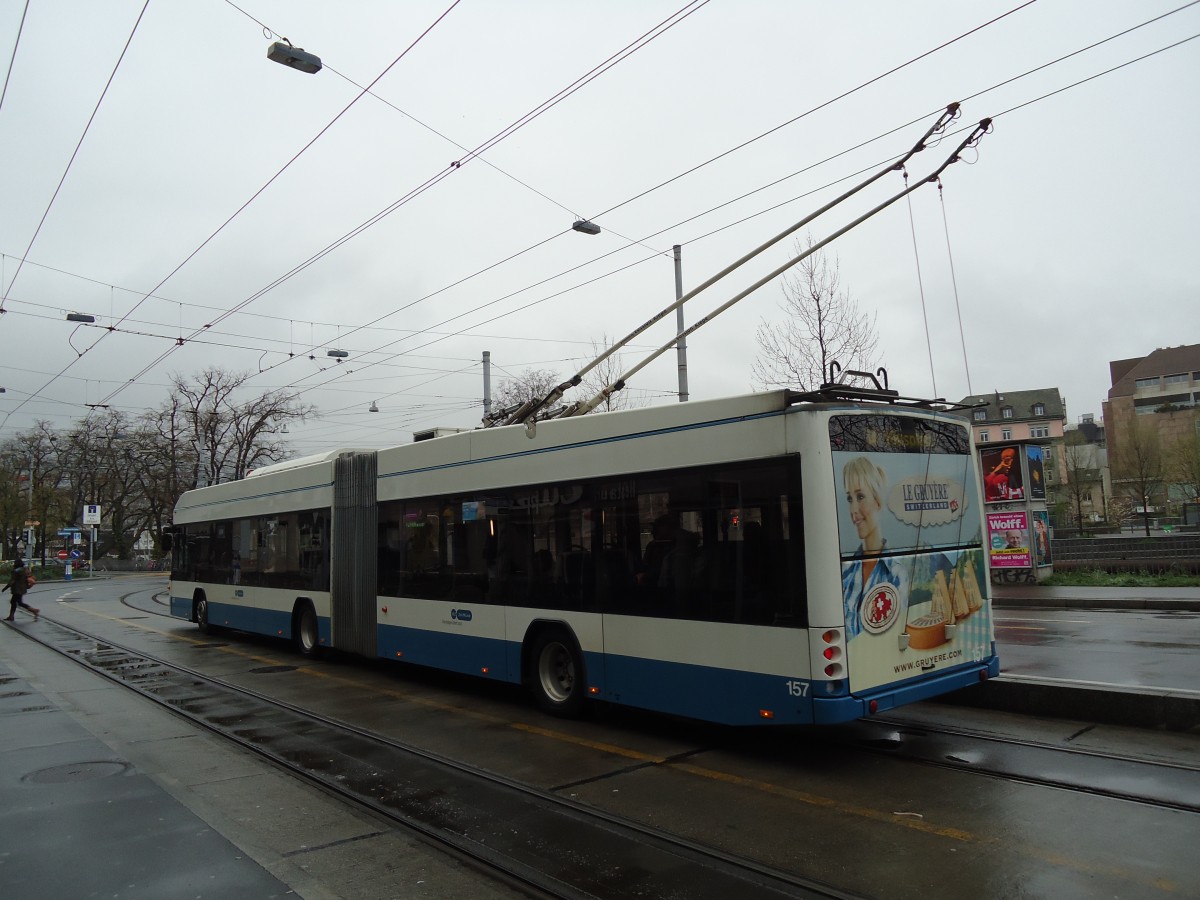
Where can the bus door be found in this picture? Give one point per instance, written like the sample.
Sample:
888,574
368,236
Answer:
354,575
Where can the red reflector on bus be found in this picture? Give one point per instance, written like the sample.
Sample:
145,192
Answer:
873,706
766,714
385,610
983,675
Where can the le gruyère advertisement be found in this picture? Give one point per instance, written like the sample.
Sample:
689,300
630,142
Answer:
915,601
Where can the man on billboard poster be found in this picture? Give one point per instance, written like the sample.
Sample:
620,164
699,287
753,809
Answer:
1002,478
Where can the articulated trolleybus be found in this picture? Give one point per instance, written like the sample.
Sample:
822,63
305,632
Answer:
776,558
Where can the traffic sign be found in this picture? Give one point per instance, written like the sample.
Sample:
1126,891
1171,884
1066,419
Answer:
91,514
62,554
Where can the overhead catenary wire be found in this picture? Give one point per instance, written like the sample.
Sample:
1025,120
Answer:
534,406
954,283
912,222
582,408
172,349
12,59
977,94
505,133
1091,77
74,153
696,168
540,243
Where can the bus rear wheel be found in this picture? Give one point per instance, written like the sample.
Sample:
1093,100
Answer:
205,626
557,675
306,632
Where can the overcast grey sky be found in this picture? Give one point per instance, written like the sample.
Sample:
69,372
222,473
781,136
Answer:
1072,227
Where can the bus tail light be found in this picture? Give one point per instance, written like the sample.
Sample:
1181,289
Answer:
830,649
766,714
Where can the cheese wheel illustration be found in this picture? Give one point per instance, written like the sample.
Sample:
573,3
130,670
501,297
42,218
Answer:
927,632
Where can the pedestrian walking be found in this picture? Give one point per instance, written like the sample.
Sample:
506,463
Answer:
18,583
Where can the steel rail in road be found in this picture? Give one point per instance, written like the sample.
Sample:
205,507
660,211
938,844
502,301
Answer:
544,842
1115,776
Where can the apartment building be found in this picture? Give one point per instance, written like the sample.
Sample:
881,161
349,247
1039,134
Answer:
1159,396
1029,417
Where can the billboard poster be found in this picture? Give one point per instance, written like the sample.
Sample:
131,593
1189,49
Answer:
909,613
1037,472
1041,537
1002,480
1008,540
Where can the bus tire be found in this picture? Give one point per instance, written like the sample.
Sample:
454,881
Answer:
200,615
556,673
306,632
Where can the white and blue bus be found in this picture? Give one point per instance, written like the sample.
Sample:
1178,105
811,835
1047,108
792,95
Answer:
774,558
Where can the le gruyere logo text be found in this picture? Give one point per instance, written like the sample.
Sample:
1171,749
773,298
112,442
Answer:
916,501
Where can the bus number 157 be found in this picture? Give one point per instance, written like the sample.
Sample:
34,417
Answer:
797,688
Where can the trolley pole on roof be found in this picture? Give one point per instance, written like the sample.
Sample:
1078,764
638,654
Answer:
681,347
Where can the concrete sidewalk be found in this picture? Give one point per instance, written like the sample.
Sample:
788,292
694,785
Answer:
1139,707
1168,598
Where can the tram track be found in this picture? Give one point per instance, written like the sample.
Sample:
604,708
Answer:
1154,782
549,844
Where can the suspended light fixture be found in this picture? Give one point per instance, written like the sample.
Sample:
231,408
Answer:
374,407
285,54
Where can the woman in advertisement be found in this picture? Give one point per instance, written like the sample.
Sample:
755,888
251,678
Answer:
871,585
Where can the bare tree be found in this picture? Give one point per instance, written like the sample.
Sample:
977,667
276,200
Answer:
229,437
37,494
1083,472
822,323
531,383
605,374
1184,463
1139,466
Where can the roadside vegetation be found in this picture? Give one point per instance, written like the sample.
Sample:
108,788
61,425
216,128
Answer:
1101,578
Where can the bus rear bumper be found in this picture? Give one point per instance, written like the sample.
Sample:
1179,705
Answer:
828,710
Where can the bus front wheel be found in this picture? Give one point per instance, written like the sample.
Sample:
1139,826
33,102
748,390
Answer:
557,674
307,632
